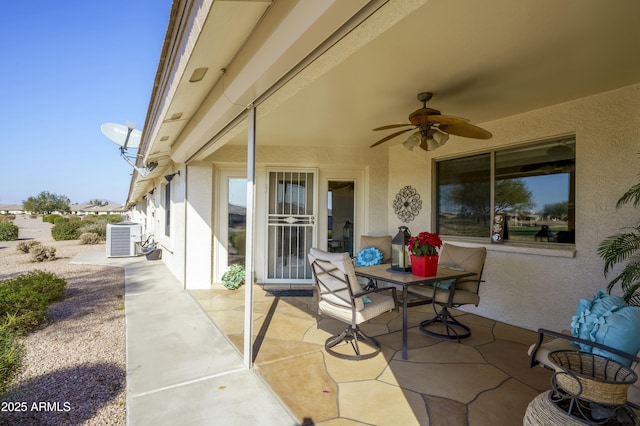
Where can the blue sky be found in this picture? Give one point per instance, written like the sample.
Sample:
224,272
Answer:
67,67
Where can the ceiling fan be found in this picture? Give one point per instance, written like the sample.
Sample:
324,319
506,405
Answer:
432,129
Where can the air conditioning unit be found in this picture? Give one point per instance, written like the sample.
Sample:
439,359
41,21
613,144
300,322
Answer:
122,238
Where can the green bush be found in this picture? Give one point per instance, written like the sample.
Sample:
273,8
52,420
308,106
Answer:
238,241
64,231
234,277
40,253
50,218
61,219
8,231
11,355
114,218
25,246
90,238
24,299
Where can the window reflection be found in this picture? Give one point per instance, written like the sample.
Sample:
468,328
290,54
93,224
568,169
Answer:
464,194
535,188
533,185
237,208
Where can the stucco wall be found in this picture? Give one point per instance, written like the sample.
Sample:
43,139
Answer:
198,233
541,289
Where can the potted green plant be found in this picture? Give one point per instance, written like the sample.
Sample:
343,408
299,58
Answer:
621,247
234,276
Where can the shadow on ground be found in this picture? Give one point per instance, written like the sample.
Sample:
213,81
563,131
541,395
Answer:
64,397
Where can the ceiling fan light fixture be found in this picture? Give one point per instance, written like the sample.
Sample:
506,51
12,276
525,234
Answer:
432,144
412,141
440,138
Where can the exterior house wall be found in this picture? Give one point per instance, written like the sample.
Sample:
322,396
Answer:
174,246
335,163
541,288
152,216
199,226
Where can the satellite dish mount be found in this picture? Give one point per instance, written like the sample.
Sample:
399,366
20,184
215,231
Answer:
126,136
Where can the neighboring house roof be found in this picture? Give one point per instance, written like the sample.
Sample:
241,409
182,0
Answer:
74,208
91,208
239,210
11,208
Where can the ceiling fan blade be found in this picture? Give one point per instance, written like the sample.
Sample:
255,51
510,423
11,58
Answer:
430,115
391,136
446,119
466,130
393,126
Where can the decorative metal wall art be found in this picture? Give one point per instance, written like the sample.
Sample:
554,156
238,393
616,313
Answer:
407,204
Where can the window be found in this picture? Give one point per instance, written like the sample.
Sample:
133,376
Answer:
167,209
237,220
534,185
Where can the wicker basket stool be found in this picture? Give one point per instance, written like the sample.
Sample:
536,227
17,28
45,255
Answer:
592,377
543,412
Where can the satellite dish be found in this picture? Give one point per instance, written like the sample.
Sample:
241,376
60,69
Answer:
126,136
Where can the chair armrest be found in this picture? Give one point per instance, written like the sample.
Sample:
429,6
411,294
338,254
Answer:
379,290
544,332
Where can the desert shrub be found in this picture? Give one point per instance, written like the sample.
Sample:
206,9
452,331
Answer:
25,246
90,238
109,218
96,226
64,231
7,217
24,299
61,219
74,217
8,231
238,240
50,218
40,253
11,355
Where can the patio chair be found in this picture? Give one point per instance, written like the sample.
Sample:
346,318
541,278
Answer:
550,341
382,243
341,297
463,291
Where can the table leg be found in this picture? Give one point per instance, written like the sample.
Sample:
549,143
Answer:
404,322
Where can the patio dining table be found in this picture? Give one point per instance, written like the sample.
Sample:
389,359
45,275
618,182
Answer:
384,273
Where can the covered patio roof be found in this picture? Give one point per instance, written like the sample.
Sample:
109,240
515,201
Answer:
358,65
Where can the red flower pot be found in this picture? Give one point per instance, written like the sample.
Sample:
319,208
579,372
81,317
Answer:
424,266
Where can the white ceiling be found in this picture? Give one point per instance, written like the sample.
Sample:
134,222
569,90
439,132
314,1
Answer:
482,60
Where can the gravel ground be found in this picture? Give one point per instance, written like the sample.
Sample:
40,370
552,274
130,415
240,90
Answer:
74,369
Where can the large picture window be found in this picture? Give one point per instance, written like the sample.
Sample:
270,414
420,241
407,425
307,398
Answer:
533,185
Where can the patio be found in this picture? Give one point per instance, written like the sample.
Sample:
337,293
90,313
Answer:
484,380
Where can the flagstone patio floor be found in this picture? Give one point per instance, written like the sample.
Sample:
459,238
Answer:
483,380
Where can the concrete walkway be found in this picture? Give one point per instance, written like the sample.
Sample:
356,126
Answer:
181,369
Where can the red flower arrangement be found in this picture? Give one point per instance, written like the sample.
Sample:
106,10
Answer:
425,244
